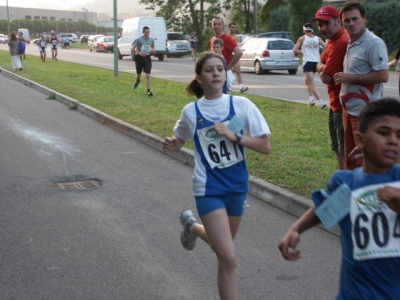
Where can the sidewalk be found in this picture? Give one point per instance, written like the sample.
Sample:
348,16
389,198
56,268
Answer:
285,200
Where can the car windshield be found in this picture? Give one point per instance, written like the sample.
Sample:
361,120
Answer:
175,36
109,39
280,45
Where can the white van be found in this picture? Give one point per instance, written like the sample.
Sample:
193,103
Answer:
26,34
132,29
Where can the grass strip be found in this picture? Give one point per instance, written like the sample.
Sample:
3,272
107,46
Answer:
300,161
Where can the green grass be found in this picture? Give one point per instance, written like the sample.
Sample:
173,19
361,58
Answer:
300,161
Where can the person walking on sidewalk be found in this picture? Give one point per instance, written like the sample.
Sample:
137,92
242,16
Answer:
331,62
13,45
236,68
143,47
309,44
217,123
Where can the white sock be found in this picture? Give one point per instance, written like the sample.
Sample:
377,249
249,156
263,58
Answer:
241,85
311,98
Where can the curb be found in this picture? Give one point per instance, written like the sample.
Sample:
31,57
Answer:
285,200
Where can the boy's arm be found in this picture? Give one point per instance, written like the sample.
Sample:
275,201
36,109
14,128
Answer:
288,244
391,196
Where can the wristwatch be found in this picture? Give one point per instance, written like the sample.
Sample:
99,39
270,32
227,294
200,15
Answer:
238,137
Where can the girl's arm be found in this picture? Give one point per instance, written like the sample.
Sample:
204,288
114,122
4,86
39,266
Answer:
172,144
259,144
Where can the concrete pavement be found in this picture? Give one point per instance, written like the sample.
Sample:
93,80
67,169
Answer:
285,200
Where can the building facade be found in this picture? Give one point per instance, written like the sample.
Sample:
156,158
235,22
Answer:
24,13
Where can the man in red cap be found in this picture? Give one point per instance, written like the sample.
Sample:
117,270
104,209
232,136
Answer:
331,62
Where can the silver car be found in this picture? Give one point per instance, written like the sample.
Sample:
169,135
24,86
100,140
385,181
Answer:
3,38
265,54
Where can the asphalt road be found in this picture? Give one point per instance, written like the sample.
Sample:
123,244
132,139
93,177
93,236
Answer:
278,84
120,240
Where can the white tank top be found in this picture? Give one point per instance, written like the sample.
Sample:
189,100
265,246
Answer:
310,49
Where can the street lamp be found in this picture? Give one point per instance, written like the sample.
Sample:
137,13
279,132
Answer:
8,21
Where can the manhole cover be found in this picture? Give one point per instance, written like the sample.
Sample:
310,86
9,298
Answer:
78,185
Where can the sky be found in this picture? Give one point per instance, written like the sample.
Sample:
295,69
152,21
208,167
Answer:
50,4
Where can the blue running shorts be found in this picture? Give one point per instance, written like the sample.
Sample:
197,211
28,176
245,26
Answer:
234,204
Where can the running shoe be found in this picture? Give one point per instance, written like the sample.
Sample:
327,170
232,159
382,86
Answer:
244,89
188,240
136,84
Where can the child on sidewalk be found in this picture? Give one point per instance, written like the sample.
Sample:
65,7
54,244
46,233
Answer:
216,122
370,230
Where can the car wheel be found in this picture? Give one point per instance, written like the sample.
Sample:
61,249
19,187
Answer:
119,55
292,71
90,49
161,57
257,68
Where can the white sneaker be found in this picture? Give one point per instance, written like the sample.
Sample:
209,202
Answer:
311,103
322,104
244,89
188,240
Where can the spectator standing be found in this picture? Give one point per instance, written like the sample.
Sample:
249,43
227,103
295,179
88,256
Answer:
232,33
193,45
370,203
143,47
331,62
42,45
13,45
218,47
230,46
395,62
365,70
22,45
220,183
54,45
308,46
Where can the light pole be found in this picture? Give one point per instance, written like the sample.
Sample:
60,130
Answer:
8,21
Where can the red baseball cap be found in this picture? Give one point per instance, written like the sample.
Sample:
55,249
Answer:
326,13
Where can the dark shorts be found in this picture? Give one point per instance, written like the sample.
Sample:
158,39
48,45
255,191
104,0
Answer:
310,66
234,204
336,131
143,64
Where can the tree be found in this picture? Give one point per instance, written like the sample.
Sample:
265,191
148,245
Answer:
301,11
264,16
188,16
280,19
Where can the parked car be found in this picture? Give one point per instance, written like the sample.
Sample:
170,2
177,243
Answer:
105,43
265,54
92,41
177,45
72,37
241,38
84,38
3,38
276,34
